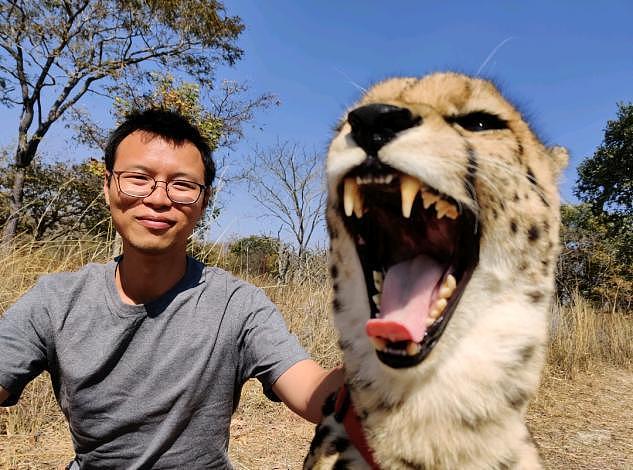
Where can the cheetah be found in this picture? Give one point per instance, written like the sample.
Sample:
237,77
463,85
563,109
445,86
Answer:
443,215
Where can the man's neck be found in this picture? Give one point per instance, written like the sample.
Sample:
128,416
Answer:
142,278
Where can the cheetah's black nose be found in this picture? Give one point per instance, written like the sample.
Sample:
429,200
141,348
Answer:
374,125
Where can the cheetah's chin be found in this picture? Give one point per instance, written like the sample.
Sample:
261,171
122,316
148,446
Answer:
418,249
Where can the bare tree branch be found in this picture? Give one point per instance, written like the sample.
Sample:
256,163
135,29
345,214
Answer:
287,182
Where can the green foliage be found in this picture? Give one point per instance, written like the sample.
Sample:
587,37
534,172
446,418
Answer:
59,199
597,235
256,254
173,95
593,260
605,180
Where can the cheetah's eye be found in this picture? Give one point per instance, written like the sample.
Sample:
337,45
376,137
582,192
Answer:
478,121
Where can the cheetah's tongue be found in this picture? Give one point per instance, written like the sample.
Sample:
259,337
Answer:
406,300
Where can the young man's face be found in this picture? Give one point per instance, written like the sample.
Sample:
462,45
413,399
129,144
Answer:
155,224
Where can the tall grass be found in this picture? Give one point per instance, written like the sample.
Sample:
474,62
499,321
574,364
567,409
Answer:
581,337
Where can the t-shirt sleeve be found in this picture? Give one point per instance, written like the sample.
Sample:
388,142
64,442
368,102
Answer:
268,349
25,332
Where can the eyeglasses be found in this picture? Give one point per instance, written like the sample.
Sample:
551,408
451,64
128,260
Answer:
140,185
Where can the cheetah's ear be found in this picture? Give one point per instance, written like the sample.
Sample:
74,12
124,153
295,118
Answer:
560,157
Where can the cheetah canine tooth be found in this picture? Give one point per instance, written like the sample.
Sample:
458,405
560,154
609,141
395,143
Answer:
352,198
358,206
409,187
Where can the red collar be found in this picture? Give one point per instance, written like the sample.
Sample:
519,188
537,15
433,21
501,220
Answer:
344,410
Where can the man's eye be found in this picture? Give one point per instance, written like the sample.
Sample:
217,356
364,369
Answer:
137,179
184,185
478,122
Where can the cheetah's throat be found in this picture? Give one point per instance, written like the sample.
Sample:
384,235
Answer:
410,288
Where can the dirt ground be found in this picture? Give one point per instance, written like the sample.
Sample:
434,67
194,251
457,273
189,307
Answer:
584,423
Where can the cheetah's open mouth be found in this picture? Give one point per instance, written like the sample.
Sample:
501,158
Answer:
418,249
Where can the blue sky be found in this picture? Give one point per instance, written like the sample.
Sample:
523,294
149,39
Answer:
566,64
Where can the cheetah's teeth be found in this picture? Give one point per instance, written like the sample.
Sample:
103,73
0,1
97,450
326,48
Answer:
445,208
413,348
350,188
376,299
352,198
445,292
378,278
381,344
429,198
378,343
371,179
409,187
438,308
448,287
453,213
359,210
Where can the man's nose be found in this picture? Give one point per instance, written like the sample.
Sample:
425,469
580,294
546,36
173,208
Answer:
158,195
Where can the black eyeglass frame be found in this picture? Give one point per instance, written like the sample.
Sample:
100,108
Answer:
118,174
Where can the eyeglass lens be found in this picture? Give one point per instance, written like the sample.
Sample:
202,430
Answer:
141,185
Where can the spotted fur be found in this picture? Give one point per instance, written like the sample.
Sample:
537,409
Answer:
463,406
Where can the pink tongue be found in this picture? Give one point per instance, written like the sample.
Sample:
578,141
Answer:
406,300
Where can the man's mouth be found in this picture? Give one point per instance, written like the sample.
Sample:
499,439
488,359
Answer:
155,223
418,249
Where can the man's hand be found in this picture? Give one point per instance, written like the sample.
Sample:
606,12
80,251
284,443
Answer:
3,395
305,386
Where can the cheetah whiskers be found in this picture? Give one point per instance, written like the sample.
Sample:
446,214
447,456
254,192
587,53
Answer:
511,172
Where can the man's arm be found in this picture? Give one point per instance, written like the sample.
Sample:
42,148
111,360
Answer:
3,395
305,386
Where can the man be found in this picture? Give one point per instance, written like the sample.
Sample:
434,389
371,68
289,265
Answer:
148,353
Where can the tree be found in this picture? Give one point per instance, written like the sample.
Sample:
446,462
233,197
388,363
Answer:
220,116
605,180
54,52
598,235
59,199
288,183
256,254
591,261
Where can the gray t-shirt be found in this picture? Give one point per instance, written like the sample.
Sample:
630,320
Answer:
146,386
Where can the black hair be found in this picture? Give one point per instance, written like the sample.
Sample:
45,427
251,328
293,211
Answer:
169,125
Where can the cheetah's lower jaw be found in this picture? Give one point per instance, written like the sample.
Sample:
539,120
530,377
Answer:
408,300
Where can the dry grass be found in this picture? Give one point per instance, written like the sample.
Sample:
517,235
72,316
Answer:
581,417
582,337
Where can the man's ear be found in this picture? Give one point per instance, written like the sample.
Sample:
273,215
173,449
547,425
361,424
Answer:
106,188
